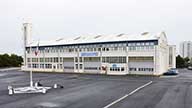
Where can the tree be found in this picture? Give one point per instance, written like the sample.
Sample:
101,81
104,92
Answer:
180,62
10,61
187,61
190,63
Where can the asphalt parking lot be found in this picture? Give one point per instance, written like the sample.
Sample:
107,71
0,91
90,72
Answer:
98,91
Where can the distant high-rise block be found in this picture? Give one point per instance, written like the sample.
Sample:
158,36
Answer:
185,49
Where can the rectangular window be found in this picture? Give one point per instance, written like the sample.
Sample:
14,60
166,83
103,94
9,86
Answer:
41,59
29,65
42,66
147,43
55,60
132,69
80,66
80,59
61,60
138,44
122,68
76,59
28,59
151,43
76,66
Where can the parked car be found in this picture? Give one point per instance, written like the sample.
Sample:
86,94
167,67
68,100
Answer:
171,71
190,68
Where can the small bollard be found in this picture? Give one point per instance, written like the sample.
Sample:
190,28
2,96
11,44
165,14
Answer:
10,88
44,90
10,91
55,86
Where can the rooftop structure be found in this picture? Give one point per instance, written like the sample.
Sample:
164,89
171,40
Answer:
99,38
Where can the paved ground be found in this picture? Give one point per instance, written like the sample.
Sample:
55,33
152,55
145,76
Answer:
98,91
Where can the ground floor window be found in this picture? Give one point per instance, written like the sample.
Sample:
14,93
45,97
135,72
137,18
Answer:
120,59
41,65
35,65
29,66
117,68
80,66
61,66
91,68
146,69
76,66
132,69
48,66
141,69
68,67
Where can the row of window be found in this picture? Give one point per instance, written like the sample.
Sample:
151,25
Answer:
54,59
80,50
141,59
141,69
101,47
49,66
92,59
120,59
80,59
114,59
51,59
80,66
92,68
68,67
97,49
141,48
146,69
117,69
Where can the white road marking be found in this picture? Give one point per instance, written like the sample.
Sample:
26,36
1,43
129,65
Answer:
10,69
137,89
48,104
174,76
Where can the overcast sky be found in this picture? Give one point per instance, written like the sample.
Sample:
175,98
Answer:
52,19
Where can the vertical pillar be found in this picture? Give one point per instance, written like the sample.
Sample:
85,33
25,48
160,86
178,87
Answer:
127,60
78,60
27,27
59,62
101,58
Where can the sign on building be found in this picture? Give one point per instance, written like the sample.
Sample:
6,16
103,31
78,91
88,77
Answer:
89,54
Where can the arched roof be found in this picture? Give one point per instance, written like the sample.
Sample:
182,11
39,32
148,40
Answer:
102,38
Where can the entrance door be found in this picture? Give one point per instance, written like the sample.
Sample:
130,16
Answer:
54,67
79,65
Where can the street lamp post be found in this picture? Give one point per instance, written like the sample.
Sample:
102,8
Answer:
31,77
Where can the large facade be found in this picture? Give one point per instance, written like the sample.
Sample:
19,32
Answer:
112,54
185,49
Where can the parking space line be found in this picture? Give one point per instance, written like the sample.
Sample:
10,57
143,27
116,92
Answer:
120,99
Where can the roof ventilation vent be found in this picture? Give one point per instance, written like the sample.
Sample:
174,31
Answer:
77,38
120,35
97,36
144,33
59,39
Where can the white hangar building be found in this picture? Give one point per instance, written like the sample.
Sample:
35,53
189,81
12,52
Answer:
145,53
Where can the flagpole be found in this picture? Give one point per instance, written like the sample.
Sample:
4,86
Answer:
31,77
